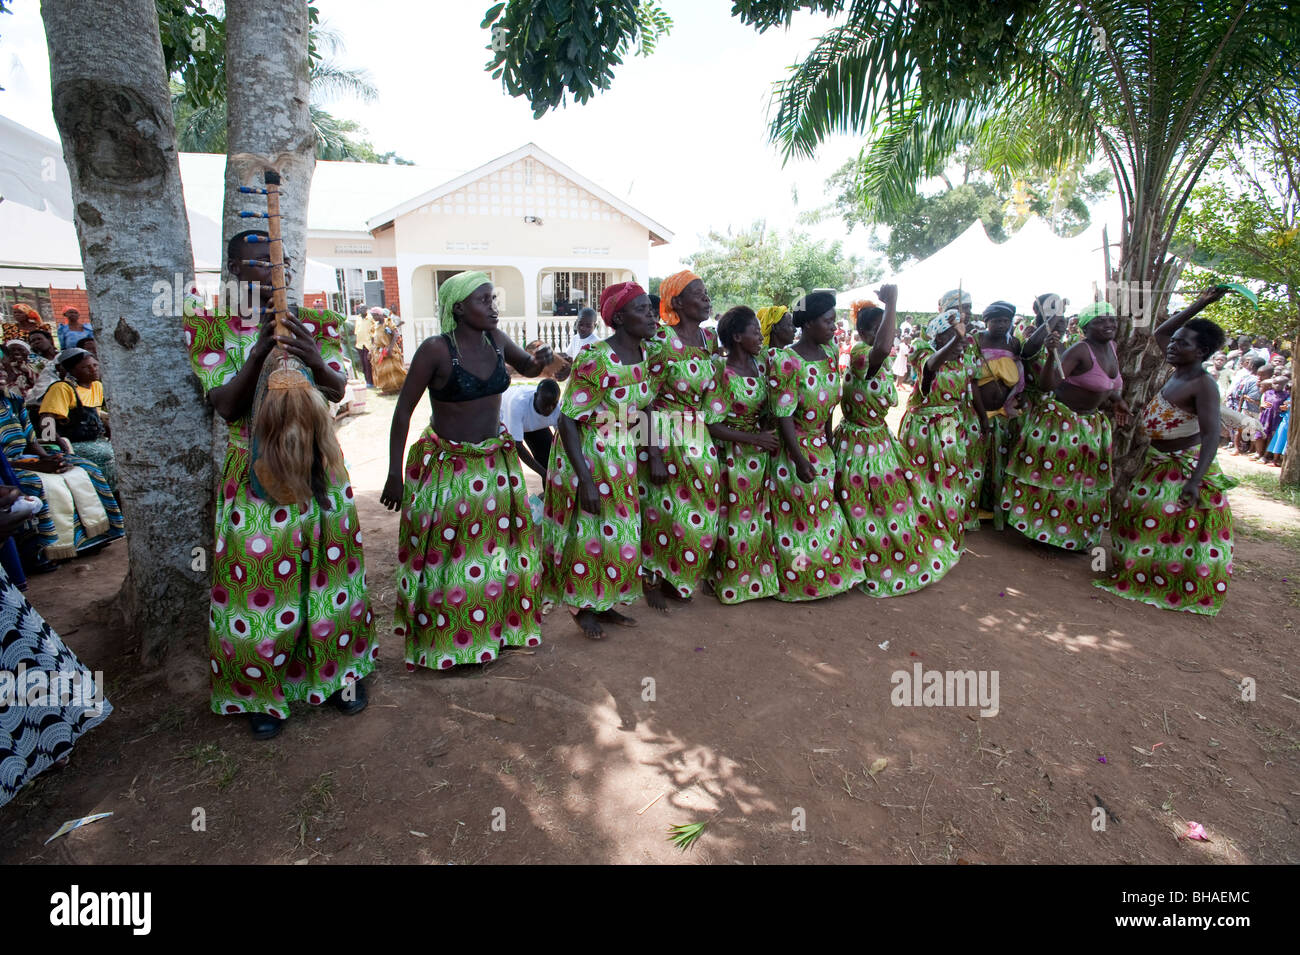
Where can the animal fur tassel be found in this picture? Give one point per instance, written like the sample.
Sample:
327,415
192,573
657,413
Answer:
295,438
296,452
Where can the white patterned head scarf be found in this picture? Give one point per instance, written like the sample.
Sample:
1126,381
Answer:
954,299
941,323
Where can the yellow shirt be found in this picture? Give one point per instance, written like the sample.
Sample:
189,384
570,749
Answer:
364,332
58,400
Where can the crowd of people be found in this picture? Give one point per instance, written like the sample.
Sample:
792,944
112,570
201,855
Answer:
745,457
58,501
373,343
1255,381
688,457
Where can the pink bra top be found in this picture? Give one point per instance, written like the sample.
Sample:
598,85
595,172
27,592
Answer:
1095,378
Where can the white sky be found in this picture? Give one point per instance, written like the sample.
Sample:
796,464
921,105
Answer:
681,135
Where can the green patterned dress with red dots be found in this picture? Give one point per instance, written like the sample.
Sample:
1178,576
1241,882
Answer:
290,616
744,563
679,518
904,545
941,433
816,553
593,561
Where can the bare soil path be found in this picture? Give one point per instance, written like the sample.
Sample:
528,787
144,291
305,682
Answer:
766,720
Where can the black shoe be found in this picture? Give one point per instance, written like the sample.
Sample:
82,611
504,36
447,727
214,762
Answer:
264,725
353,706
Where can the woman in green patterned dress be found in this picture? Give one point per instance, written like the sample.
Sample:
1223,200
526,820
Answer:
1173,534
816,553
744,564
591,528
290,616
1058,477
677,476
944,427
468,567
904,546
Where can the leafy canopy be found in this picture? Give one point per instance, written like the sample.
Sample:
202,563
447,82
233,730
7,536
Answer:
758,267
546,50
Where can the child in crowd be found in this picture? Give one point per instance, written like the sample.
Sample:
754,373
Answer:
1275,417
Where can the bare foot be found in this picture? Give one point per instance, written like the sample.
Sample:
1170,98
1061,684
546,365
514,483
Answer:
617,619
589,621
671,593
655,598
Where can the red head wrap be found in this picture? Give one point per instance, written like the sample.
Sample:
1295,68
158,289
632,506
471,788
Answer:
615,297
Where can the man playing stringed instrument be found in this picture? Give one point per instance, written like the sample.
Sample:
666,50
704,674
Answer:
290,614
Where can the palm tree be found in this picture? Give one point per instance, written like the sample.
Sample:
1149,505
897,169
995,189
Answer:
1156,86
202,129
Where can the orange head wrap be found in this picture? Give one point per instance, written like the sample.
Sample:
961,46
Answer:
669,289
26,311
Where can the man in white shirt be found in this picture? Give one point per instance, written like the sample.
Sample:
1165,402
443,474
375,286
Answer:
1261,350
584,333
529,412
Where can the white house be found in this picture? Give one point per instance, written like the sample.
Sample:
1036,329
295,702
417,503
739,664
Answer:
550,239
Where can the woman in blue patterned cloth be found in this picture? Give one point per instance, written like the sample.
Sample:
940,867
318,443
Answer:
57,699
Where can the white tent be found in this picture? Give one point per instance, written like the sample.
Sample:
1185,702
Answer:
38,241
1033,261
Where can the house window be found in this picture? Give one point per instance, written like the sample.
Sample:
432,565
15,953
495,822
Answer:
372,275
565,293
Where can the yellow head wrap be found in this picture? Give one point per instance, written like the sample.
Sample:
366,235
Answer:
768,316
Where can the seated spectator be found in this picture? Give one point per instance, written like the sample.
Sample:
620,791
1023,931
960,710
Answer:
79,513
19,371
73,407
72,334
26,320
529,412
43,359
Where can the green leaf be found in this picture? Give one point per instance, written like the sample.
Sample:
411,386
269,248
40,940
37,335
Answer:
1241,290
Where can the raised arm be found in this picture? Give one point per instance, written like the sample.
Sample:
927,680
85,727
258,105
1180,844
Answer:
1035,342
1056,372
1179,319
884,341
937,361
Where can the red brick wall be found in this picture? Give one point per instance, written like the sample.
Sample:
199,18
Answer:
61,298
391,299
315,300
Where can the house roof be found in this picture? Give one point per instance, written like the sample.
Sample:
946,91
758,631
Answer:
658,234
343,194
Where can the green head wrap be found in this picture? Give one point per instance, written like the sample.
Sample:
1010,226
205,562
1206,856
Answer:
456,289
1089,312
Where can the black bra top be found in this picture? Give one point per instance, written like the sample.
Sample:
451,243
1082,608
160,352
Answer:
462,386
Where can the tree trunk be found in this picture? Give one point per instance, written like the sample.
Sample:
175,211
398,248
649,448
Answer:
268,85
113,110
1291,458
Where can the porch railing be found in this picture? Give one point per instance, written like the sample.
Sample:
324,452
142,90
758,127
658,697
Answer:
555,332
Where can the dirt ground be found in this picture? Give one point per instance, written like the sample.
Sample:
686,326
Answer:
766,722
